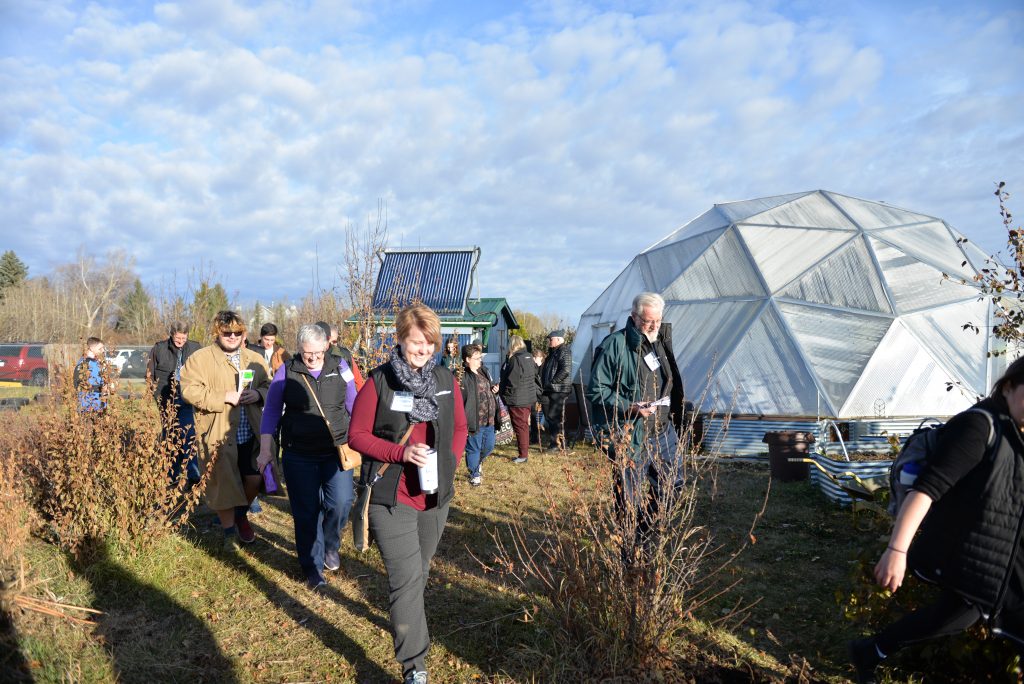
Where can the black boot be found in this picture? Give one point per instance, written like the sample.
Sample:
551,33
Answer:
865,659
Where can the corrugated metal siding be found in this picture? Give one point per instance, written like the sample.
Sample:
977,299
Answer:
743,437
438,279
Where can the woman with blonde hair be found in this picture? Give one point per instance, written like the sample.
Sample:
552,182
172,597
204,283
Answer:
409,418
520,389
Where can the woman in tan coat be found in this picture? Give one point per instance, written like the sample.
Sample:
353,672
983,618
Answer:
228,422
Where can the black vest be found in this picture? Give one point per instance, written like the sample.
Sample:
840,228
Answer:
303,429
970,540
391,426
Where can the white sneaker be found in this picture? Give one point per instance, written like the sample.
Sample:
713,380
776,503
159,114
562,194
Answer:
476,481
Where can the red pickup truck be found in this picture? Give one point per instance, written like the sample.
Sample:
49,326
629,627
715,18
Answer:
23,363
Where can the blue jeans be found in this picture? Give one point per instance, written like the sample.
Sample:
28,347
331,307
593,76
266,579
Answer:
320,494
478,447
187,423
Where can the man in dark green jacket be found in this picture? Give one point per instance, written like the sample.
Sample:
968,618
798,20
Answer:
636,393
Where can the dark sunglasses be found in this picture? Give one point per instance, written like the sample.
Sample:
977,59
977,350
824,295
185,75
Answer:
232,333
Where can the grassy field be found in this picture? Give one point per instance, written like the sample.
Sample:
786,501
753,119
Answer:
185,612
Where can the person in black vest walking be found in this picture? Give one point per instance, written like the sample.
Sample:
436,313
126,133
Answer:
555,380
409,415
166,359
970,543
316,391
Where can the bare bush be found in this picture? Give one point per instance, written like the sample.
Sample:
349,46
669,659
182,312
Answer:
359,273
17,518
97,477
621,583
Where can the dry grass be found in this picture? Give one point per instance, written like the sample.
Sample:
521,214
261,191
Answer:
183,612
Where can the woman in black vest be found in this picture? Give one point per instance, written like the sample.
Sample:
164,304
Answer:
408,416
316,391
972,490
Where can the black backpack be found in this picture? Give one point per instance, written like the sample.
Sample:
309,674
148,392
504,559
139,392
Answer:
918,448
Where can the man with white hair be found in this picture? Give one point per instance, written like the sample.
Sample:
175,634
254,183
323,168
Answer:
636,393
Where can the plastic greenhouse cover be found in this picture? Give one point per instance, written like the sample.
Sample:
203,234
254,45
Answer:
784,253
847,279
724,270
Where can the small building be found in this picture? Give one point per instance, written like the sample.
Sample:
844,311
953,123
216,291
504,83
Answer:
442,278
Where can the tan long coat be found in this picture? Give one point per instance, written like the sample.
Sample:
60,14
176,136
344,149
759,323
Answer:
205,378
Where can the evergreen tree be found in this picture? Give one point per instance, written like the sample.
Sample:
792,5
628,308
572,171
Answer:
137,314
206,302
13,271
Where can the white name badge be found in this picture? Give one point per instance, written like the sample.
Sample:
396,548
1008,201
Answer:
652,361
347,376
402,402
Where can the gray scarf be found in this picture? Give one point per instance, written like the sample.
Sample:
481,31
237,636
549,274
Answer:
421,384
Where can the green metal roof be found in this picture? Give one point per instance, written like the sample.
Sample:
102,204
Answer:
485,311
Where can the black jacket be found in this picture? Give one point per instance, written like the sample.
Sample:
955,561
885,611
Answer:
303,428
163,359
970,541
391,425
520,380
556,373
470,398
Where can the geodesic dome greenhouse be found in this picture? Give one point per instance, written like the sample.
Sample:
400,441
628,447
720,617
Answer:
814,304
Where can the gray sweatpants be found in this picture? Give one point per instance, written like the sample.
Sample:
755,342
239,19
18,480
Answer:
407,540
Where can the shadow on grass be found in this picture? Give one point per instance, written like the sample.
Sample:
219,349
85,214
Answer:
469,613
151,636
367,670
13,666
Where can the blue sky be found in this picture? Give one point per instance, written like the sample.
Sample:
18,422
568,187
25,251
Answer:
560,137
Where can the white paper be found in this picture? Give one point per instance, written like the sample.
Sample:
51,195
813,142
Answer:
652,361
402,402
347,376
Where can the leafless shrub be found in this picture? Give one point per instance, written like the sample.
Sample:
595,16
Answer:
17,518
621,584
99,476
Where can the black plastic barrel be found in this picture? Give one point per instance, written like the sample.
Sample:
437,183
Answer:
783,446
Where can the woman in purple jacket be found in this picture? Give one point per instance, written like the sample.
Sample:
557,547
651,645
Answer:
311,399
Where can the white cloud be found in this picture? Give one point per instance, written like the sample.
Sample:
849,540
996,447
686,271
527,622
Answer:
561,139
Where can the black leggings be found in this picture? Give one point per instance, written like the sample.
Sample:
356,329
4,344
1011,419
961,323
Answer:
948,615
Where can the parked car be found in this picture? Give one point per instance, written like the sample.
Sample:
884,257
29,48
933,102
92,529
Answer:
23,363
117,357
134,365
